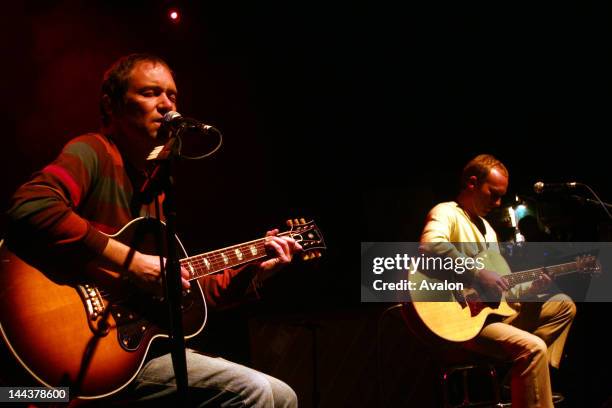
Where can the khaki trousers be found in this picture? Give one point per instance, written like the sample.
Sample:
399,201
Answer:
531,339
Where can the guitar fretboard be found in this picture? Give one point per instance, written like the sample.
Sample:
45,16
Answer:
216,261
533,274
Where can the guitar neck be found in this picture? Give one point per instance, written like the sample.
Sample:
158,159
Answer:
220,259
517,278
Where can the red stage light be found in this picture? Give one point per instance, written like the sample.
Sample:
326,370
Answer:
174,15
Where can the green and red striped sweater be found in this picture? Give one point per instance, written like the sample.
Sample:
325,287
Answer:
65,207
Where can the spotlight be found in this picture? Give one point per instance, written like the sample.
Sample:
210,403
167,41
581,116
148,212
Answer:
174,15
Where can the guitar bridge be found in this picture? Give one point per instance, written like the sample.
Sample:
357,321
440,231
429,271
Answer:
94,308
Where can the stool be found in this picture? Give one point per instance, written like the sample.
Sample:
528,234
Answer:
449,372
460,370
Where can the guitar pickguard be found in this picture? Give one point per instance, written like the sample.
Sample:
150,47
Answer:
131,327
134,319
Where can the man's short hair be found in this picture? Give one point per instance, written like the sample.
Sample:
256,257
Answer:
480,166
116,81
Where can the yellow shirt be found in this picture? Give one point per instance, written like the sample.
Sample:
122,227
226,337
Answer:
448,223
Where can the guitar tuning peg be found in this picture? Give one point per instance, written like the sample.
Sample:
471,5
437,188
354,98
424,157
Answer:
289,223
296,222
302,221
312,255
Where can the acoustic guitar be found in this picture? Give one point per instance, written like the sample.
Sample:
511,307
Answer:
89,329
459,315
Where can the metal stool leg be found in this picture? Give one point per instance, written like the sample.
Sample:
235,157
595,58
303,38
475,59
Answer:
464,370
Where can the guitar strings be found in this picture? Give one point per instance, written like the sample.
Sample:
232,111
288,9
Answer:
227,257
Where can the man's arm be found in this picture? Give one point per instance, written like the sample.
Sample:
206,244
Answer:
143,269
437,237
43,211
44,214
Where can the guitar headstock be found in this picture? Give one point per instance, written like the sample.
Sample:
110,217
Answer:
308,235
588,264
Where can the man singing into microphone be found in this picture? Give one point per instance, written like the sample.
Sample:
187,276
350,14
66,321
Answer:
90,188
535,336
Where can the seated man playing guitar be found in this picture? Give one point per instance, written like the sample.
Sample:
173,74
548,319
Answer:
531,338
66,212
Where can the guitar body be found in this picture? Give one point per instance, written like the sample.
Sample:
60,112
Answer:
457,315
93,333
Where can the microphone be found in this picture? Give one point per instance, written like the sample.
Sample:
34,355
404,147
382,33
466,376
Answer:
541,187
173,126
176,121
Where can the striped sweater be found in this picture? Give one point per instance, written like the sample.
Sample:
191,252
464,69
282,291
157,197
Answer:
86,190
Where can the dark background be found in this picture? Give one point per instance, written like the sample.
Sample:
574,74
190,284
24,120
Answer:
357,115
529,84
268,76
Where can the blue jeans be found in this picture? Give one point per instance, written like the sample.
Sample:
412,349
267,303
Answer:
213,382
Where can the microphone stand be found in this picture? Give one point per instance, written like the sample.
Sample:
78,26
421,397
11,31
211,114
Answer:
598,200
162,180
584,200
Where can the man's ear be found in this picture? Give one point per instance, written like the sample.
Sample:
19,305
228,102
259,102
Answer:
107,106
472,182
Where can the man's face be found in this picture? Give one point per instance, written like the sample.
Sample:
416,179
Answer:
488,194
151,93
